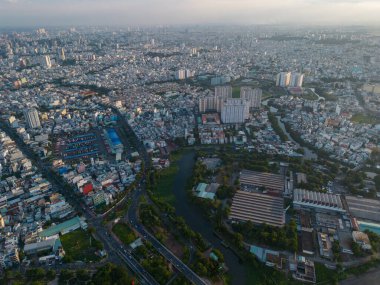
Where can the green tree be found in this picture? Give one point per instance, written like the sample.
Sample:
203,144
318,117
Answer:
50,274
35,274
65,276
83,275
336,250
239,239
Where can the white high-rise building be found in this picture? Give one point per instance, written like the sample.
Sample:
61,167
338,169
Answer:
31,118
283,79
180,74
223,91
61,54
296,80
338,109
46,62
206,103
235,111
215,103
251,95
189,73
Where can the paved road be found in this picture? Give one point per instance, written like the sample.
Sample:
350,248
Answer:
166,253
124,254
115,251
111,244
133,210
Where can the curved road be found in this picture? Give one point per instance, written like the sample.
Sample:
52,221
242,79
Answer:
111,244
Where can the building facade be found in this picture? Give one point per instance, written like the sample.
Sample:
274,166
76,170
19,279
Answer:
253,96
32,119
235,111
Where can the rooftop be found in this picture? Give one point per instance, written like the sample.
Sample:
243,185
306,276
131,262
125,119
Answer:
258,208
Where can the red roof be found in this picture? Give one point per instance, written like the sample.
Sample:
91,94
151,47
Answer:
87,188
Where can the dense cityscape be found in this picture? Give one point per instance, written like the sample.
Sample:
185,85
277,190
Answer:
190,155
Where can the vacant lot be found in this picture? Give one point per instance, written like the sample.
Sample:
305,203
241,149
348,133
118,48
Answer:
79,245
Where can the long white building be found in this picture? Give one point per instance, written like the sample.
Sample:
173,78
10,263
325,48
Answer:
317,200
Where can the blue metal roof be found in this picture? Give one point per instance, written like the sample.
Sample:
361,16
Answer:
113,137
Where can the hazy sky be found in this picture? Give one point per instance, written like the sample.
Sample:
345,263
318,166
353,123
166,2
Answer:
152,12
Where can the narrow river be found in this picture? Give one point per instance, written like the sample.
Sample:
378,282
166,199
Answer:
198,222
308,153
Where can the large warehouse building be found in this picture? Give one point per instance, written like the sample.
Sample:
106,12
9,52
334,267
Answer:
365,209
258,208
317,200
273,183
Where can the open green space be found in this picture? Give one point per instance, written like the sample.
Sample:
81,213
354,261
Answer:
325,275
308,95
79,245
165,185
266,95
124,233
365,119
119,212
165,180
236,92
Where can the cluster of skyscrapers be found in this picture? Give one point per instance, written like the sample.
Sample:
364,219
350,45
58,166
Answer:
233,110
183,74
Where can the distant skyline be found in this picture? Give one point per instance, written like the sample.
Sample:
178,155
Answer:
178,12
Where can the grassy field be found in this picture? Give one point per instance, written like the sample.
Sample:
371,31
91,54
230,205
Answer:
124,233
308,95
266,95
78,246
365,119
165,184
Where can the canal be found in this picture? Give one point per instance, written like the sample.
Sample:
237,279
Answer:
308,153
196,220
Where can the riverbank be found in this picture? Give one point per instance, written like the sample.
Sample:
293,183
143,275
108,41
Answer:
196,220
240,273
308,153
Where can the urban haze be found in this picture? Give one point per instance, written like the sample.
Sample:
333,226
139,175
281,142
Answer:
189,142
